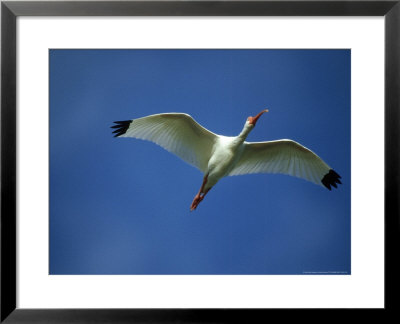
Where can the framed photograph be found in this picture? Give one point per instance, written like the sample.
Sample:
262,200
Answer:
287,110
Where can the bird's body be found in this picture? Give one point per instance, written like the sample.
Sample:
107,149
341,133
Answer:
218,156
226,153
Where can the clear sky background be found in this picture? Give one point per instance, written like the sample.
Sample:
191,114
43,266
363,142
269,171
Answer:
121,205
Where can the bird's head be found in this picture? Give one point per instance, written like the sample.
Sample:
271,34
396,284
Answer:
253,120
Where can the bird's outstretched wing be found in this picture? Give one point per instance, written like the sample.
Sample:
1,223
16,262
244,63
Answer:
286,157
178,133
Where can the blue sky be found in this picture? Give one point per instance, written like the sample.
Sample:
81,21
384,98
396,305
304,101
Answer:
121,206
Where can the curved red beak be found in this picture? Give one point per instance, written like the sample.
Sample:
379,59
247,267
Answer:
253,120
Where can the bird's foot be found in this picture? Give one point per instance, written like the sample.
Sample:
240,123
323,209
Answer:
196,201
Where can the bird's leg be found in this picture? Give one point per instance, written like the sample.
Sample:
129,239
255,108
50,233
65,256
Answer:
200,195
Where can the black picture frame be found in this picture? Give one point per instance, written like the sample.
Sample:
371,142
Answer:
10,10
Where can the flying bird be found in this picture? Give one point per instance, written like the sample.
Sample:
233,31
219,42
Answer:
218,156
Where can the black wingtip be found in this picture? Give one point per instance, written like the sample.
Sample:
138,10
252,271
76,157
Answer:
331,179
121,127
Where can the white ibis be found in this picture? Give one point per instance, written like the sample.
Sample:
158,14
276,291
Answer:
218,156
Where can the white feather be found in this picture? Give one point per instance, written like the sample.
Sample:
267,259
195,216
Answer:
281,156
178,133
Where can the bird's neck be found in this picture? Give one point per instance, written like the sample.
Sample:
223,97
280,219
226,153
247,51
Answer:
243,134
